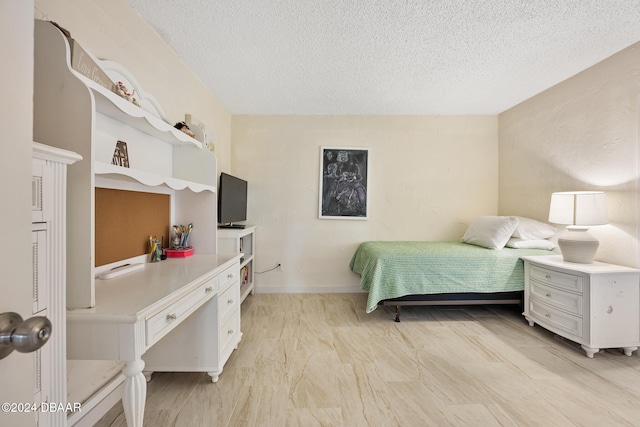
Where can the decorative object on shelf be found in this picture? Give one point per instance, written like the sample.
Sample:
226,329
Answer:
182,126
181,236
122,90
144,100
343,183
579,210
201,132
121,155
83,63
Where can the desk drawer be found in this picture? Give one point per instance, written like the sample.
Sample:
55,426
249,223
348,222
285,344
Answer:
551,318
227,335
228,300
162,323
554,278
556,298
228,276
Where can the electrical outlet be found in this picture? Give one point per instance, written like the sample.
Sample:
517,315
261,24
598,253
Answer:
279,268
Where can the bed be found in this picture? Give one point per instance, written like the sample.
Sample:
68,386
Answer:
417,272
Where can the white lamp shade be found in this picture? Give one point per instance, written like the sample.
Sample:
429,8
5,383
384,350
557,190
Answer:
579,208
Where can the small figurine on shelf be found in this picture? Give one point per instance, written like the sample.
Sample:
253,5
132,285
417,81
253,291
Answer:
182,126
122,90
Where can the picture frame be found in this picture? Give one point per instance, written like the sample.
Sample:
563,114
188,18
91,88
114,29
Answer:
344,184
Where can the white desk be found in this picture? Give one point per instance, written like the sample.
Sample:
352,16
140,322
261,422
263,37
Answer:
135,311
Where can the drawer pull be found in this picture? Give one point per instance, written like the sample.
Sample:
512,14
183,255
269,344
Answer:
548,276
548,295
548,315
229,301
230,276
230,332
171,317
208,289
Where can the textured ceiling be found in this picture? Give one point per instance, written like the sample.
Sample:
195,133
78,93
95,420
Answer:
388,56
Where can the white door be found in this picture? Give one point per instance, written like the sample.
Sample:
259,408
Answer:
16,116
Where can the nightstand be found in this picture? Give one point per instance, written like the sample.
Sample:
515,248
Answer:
596,305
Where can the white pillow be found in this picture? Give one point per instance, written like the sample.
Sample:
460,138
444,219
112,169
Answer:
530,229
491,232
517,243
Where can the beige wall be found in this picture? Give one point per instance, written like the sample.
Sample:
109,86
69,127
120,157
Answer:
581,134
110,29
429,176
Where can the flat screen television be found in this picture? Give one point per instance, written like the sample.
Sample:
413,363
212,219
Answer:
232,201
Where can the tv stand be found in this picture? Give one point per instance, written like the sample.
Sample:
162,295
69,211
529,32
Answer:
236,226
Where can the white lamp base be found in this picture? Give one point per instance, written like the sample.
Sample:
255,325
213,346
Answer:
577,245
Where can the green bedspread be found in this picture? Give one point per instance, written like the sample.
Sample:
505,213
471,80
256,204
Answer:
395,269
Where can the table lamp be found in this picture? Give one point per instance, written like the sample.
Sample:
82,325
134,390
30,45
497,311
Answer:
579,210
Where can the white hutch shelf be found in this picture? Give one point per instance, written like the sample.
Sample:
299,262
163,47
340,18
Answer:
241,240
595,305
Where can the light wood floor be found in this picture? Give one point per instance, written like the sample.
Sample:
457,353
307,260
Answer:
320,360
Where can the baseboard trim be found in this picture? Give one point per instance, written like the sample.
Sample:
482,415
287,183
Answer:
308,290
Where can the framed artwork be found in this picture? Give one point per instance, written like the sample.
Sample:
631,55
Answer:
343,182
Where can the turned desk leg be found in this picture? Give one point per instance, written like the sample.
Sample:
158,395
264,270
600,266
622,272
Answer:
134,393
590,351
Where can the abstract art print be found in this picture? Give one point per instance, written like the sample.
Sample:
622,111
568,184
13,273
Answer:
343,182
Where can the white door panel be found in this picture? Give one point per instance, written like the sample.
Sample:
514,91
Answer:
16,113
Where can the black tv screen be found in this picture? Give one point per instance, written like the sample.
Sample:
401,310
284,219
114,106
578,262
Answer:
232,201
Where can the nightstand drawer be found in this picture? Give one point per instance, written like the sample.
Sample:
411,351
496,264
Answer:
229,300
554,278
556,298
162,323
228,276
552,318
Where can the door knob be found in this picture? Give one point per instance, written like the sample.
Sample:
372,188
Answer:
24,336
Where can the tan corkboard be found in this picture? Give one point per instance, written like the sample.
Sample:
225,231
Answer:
124,221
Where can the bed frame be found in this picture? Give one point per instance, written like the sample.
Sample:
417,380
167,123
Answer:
496,298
